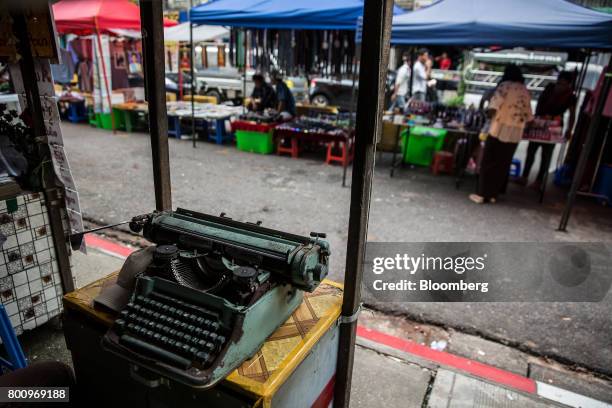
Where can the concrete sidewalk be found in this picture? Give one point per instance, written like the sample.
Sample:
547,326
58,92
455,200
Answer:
402,364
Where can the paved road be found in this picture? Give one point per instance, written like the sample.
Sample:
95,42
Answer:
114,176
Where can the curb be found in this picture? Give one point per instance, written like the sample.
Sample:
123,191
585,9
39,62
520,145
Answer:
475,368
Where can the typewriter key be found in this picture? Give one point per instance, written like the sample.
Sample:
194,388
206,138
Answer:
120,323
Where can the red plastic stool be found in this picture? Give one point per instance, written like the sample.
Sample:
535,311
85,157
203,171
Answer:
443,162
346,153
293,149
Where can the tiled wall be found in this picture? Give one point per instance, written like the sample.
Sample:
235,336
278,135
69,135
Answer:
30,285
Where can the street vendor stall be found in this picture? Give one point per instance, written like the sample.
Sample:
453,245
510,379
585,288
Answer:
549,24
99,17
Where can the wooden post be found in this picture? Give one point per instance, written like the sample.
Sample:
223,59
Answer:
152,26
53,191
377,17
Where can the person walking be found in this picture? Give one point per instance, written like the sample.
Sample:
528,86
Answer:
554,101
509,110
402,82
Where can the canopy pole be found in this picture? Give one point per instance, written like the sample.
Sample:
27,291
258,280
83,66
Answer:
244,68
587,147
193,90
152,26
108,94
375,38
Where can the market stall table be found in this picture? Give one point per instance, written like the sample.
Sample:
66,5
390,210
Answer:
295,132
204,112
129,114
294,367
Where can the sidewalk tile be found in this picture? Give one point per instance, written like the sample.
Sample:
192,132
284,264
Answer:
453,390
381,381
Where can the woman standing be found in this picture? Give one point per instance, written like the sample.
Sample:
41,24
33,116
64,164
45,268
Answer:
509,110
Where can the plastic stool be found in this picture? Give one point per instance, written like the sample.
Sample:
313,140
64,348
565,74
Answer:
11,344
515,168
346,153
293,149
443,162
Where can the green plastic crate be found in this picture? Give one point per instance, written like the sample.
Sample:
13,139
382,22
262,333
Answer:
254,142
119,119
104,121
422,144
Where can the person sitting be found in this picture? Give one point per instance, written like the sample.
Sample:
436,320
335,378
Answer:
510,110
263,96
286,102
554,101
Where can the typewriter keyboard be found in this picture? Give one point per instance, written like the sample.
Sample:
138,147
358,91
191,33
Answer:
175,332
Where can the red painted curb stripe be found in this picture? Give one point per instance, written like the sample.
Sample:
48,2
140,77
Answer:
490,373
95,241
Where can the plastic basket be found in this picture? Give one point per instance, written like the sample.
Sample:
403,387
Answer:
254,142
422,144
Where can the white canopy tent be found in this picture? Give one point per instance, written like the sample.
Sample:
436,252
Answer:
200,33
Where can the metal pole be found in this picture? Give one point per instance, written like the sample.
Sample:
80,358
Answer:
193,93
353,94
152,26
586,148
244,68
372,75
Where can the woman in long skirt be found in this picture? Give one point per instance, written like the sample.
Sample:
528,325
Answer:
510,110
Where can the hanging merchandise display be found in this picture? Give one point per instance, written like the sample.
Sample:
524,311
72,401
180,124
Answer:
295,52
102,80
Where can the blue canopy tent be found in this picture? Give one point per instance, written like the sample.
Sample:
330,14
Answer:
528,23
282,14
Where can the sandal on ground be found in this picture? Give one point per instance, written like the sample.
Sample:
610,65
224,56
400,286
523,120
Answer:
481,200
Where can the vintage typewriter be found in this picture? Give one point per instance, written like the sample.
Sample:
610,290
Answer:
213,292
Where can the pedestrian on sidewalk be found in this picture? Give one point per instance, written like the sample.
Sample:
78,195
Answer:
509,110
555,100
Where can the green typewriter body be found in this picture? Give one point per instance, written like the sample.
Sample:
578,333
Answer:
215,290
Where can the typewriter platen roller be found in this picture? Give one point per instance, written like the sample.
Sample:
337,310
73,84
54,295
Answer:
214,291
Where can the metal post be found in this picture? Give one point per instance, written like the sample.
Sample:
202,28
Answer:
587,147
191,54
52,190
152,26
377,17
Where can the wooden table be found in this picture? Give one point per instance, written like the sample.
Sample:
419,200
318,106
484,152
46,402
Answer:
294,367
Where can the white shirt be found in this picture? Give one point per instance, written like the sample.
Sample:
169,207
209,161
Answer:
419,82
402,80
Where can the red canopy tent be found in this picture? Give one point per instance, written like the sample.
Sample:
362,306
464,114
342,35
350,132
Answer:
85,17
97,16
